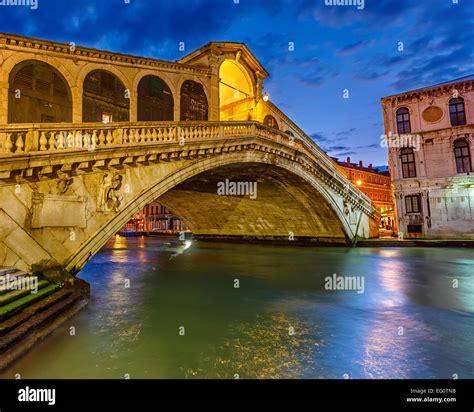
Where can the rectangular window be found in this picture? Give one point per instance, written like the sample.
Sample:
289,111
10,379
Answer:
413,204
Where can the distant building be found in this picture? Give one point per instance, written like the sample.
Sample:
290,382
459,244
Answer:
154,219
430,138
377,186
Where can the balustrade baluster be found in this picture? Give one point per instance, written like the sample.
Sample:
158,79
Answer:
142,136
19,144
69,140
43,141
79,140
101,138
109,138
51,141
60,143
125,136
8,143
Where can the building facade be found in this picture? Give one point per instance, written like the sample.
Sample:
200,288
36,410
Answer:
430,136
155,219
377,185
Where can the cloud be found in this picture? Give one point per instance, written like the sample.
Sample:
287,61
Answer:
345,154
354,47
313,72
319,137
346,133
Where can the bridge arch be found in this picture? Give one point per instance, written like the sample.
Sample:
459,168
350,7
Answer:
194,100
312,209
155,101
236,91
105,97
33,80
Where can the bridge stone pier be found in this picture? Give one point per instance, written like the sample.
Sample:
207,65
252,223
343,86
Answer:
68,182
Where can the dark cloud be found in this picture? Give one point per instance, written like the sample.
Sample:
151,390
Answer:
354,47
346,133
319,137
349,153
314,72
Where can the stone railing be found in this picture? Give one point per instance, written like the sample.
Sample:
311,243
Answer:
28,138
22,140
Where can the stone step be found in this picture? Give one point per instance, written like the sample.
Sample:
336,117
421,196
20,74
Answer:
14,275
23,338
5,271
33,310
19,304
386,243
13,295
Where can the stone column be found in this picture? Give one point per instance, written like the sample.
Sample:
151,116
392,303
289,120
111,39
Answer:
76,93
133,105
177,106
214,105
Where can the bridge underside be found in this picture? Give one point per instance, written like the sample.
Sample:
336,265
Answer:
283,205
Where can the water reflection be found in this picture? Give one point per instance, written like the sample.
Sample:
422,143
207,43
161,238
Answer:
409,323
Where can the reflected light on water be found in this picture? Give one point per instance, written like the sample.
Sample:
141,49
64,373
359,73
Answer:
389,253
264,349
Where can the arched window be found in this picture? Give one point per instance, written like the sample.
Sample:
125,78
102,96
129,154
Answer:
104,98
456,112
403,121
407,158
193,101
155,101
270,121
38,93
463,156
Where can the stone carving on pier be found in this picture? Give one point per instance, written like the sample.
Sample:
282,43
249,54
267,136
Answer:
63,184
110,198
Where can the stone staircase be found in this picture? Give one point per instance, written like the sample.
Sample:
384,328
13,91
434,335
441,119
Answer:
386,243
26,317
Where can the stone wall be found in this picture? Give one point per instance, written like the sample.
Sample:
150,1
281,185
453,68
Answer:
447,197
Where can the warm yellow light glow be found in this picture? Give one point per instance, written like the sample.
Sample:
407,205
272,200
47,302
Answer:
235,91
359,182
266,97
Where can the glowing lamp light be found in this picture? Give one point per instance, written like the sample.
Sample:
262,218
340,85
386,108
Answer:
266,97
359,182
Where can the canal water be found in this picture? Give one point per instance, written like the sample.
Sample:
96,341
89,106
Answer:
219,310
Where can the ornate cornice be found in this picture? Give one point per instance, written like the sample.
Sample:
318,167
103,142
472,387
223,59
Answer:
426,93
29,44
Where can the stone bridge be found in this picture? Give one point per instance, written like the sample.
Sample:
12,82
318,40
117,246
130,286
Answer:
65,191
78,159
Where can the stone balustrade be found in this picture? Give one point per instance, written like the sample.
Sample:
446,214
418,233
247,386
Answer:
47,139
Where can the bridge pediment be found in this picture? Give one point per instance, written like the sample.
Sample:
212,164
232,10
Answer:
226,50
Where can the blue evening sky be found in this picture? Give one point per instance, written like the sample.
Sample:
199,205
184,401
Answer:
335,48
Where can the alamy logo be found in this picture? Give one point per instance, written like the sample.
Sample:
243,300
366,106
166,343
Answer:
398,141
37,395
9,282
32,4
336,282
229,188
360,4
